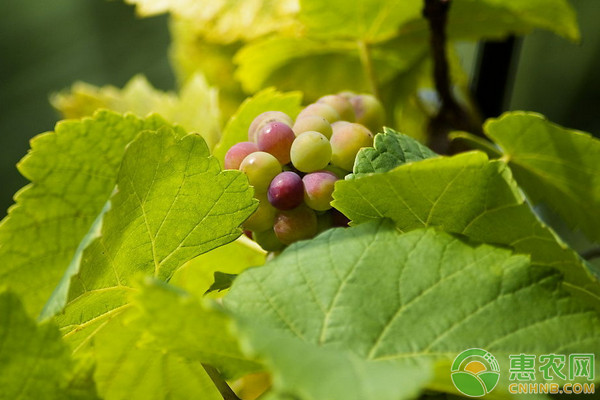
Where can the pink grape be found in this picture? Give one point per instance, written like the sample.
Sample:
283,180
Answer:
276,138
265,118
346,141
318,189
297,224
341,104
369,111
236,154
322,110
286,191
312,123
260,168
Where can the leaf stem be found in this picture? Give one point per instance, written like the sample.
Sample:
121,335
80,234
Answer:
366,60
220,383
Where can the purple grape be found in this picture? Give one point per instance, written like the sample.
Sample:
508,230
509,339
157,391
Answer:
297,224
286,191
276,138
236,154
318,189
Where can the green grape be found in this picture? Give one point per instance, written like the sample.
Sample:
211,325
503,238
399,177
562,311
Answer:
260,168
346,141
369,111
312,123
324,221
341,104
310,151
268,240
339,172
322,110
264,216
297,224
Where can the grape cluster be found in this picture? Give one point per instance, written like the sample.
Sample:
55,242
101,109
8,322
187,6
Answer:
293,165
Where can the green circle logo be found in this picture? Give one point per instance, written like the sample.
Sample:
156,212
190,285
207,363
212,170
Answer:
475,372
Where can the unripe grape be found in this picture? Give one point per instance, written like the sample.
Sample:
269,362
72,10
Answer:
312,123
318,189
236,154
339,172
369,111
322,110
265,118
286,191
324,222
268,240
297,224
276,138
260,168
264,216
341,104
310,151
346,141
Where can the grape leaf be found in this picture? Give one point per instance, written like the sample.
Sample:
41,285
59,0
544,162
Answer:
390,149
72,172
34,362
554,165
226,21
269,99
173,203
466,194
182,324
369,295
195,107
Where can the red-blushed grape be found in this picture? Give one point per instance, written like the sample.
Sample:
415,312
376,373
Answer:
236,154
338,219
268,240
340,104
264,216
310,151
369,111
265,118
318,189
276,138
260,168
312,123
286,191
346,141
322,110
297,224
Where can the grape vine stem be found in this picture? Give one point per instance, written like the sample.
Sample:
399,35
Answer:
220,383
366,60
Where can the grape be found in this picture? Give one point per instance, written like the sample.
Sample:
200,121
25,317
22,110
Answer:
318,189
276,138
268,240
286,191
322,110
261,168
339,172
264,216
312,123
310,151
297,224
236,154
324,222
346,141
341,104
369,111
265,118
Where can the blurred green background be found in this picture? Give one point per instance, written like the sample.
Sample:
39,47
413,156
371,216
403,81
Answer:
46,46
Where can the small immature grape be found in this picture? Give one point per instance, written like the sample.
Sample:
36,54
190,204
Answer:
310,151
264,216
318,189
265,118
236,154
369,111
297,224
346,141
268,240
276,138
286,191
312,123
341,104
260,168
322,110
324,222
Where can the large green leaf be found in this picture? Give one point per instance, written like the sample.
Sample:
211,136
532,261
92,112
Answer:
195,107
270,99
389,300
466,194
554,165
173,203
72,171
